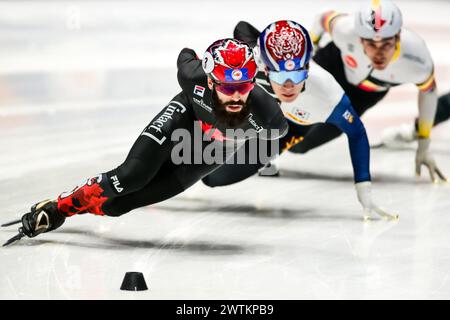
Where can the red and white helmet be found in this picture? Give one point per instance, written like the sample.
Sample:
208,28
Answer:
229,61
378,19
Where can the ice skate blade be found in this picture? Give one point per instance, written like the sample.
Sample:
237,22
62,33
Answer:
12,223
17,237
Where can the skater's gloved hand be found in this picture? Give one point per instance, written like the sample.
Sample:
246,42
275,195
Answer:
424,157
43,217
364,192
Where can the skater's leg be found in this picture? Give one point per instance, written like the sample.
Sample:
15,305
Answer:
395,137
170,181
149,152
231,173
234,171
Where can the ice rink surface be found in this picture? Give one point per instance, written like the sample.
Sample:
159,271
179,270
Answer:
79,80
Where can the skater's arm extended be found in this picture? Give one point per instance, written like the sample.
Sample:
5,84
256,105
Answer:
427,103
346,119
427,111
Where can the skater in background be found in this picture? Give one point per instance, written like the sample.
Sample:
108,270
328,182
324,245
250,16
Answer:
309,97
218,94
370,53
396,56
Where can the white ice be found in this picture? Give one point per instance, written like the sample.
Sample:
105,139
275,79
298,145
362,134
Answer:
78,82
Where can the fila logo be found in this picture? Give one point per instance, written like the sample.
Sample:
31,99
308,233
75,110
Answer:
199,90
116,184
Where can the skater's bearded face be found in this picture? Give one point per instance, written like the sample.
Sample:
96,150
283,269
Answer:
380,52
230,103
